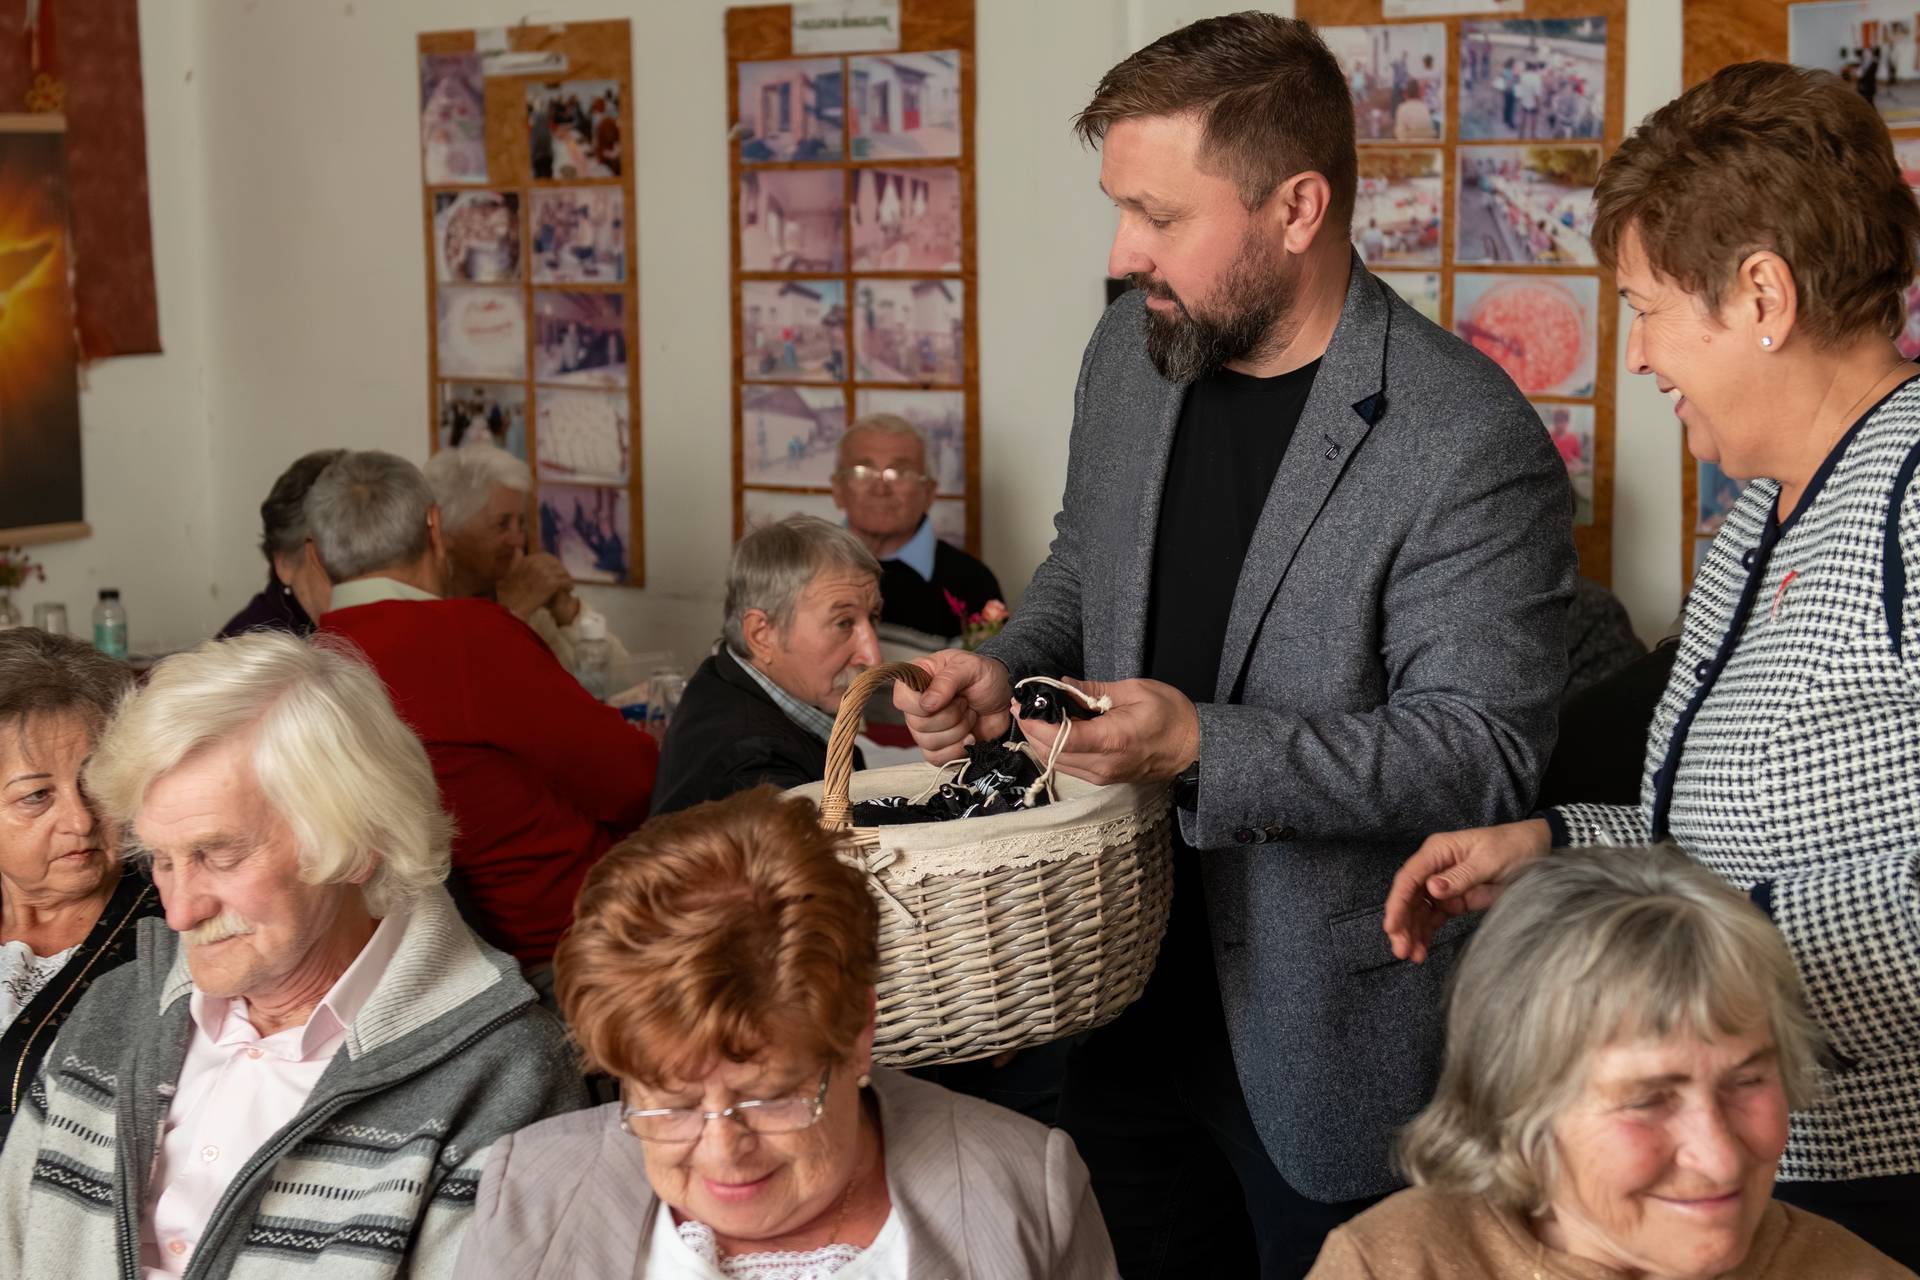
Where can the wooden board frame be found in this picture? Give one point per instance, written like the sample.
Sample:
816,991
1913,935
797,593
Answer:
765,33
1594,541
594,51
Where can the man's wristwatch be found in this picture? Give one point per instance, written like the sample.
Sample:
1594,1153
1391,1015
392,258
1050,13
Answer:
1186,788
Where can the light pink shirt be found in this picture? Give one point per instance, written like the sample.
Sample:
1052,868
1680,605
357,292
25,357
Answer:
236,1090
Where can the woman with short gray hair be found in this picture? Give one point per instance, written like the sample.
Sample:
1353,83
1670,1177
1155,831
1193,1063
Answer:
803,600
1625,1036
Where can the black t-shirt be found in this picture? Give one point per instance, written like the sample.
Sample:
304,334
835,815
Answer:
1233,432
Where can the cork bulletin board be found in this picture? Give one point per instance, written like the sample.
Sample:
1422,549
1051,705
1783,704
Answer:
1835,36
853,271
532,297
1474,206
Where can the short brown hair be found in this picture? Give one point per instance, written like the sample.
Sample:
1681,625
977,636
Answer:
1268,91
719,932
43,674
1768,156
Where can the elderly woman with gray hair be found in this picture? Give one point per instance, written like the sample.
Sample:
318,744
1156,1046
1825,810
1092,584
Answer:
482,494
1625,1036
803,599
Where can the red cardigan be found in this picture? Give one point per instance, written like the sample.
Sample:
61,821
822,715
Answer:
538,776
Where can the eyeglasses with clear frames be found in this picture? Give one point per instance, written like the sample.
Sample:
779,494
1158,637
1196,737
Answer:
790,1114
862,474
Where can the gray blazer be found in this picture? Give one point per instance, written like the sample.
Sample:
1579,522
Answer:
1393,657
984,1194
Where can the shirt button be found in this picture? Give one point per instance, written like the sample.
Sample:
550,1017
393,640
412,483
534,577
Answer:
1700,672
1244,835
209,1154
176,1247
1746,561
254,1054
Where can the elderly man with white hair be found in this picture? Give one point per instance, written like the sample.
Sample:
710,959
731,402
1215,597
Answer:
540,778
803,599
303,1068
482,492
883,485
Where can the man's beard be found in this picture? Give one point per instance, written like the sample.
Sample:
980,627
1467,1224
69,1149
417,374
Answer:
1252,316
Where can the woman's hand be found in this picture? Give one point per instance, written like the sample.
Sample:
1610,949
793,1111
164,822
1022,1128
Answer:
1453,873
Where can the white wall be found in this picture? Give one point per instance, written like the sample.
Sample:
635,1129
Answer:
283,151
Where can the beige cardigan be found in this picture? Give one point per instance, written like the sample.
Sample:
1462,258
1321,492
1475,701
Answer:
984,1194
1422,1234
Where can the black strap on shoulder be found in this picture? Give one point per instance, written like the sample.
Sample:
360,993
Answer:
1893,578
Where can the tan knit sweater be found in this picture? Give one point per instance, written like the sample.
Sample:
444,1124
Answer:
1421,1234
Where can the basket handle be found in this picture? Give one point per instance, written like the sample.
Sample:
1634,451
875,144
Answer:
846,727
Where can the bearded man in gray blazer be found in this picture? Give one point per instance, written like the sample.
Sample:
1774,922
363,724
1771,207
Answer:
1318,552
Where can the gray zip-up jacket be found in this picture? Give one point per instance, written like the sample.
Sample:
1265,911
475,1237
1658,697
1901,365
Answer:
375,1177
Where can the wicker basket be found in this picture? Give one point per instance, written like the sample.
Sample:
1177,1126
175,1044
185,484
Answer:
1002,931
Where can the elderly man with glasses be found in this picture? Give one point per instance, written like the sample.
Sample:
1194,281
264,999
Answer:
883,485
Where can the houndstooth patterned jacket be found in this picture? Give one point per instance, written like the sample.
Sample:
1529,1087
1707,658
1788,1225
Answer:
1785,755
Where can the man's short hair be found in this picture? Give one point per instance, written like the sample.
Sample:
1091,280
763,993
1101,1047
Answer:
1588,948
462,480
1268,92
367,512
773,564
328,752
883,424
1768,156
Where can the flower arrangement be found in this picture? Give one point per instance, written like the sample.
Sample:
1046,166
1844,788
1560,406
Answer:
976,628
16,570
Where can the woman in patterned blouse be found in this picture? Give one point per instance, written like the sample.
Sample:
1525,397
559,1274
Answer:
66,908
1761,231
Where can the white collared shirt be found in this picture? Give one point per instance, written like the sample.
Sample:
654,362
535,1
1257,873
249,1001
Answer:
238,1088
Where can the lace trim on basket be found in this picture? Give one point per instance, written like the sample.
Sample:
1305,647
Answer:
890,865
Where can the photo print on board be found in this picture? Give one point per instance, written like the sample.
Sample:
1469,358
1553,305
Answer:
1533,78
1539,328
1531,205
904,106
794,330
579,236
793,220
792,110
492,413
573,129
909,330
476,236
1397,76
587,527
790,436
1396,207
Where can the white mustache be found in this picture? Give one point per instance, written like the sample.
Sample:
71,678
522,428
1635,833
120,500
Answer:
228,924
846,678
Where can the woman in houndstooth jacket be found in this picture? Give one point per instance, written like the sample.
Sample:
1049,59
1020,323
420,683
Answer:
1760,229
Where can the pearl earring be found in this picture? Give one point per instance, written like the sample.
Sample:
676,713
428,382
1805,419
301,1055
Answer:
1766,342
864,1080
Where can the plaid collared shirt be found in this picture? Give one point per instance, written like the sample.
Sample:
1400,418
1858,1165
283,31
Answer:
805,714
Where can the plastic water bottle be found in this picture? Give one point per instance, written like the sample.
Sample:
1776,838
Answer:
592,655
110,625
